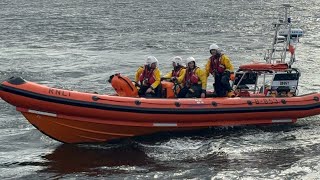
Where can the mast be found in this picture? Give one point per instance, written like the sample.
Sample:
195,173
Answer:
288,25
283,40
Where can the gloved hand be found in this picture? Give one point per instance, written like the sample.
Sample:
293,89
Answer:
150,90
136,84
173,79
191,90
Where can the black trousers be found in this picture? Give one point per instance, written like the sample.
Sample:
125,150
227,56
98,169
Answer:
190,92
221,84
143,89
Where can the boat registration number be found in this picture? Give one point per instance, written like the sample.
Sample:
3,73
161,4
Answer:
266,101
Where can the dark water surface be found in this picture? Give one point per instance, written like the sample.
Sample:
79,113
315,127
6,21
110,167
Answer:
79,44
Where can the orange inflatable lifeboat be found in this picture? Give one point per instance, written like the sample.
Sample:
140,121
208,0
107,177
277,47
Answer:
78,117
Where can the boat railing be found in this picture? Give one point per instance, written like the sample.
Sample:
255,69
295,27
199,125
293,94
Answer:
267,81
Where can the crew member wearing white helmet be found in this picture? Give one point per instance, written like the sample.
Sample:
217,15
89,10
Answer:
195,81
178,72
220,67
148,77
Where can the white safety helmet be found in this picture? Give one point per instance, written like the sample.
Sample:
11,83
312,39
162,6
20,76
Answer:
214,46
177,60
190,59
150,60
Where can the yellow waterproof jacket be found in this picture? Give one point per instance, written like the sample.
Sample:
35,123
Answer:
224,60
156,75
202,78
180,77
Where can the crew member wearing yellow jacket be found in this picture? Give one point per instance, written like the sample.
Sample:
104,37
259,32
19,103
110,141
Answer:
220,67
178,72
195,81
148,77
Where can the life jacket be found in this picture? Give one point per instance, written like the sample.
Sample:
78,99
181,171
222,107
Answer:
191,77
216,66
147,76
176,73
